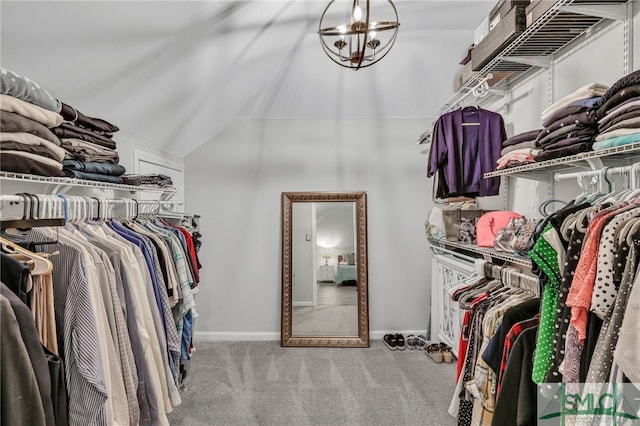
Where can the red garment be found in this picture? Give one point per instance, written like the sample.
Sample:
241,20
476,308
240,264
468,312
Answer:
192,256
509,340
464,335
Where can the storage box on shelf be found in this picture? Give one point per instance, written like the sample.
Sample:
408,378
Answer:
503,7
538,8
533,47
512,25
467,73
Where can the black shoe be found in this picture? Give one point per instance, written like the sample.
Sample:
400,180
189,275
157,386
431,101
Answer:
391,341
400,342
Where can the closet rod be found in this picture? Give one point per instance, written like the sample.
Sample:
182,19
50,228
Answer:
20,199
607,170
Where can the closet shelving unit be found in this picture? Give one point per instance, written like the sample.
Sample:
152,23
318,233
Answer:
488,254
62,185
591,159
534,49
554,34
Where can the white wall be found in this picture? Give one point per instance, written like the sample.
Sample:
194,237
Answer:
236,183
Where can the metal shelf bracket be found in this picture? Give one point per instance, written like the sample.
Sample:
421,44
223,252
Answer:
617,12
595,163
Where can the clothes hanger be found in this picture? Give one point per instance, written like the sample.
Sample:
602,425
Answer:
41,265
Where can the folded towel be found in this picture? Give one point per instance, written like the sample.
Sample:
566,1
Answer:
617,141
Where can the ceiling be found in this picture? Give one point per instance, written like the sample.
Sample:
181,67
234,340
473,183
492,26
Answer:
179,74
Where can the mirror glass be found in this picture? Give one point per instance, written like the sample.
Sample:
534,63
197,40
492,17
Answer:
324,280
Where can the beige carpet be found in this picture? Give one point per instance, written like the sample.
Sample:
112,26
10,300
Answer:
260,383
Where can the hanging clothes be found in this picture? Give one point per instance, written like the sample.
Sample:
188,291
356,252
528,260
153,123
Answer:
123,310
466,144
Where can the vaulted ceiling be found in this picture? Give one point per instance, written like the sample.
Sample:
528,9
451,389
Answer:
178,74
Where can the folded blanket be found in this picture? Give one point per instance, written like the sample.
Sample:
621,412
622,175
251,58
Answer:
69,131
92,176
516,160
568,142
93,167
518,153
28,90
86,151
71,114
587,118
33,149
36,143
521,137
10,161
564,112
521,145
35,157
628,105
618,99
631,79
570,131
41,115
616,133
564,152
630,114
617,141
585,92
12,122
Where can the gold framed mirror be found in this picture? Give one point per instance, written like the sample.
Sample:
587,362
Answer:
324,269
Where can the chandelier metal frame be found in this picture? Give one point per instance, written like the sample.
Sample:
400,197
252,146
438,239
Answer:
364,48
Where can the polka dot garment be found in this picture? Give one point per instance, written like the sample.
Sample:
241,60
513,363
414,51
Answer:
547,259
604,292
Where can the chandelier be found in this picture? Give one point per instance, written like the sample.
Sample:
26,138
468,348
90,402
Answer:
360,40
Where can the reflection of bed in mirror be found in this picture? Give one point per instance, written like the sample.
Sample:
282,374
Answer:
346,274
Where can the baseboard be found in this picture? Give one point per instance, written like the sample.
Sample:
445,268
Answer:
237,336
302,304
234,336
379,334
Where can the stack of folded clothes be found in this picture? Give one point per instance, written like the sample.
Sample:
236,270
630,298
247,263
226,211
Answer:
39,132
619,113
518,150
158,181
90,147
27,113
570,124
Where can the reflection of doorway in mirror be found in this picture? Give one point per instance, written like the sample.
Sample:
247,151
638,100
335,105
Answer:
335,309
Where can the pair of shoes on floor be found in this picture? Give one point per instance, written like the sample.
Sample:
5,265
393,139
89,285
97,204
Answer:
416,342
439,352
394,341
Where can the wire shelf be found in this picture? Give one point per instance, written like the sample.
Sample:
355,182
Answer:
20,177
564,162
484,251
552,32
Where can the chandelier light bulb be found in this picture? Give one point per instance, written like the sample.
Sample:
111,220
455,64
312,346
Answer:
357,13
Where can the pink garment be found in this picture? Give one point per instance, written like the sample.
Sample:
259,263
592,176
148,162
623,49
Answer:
581,290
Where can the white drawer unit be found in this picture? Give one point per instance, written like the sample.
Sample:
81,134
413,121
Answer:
326,273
